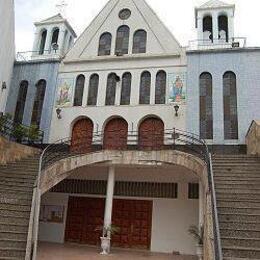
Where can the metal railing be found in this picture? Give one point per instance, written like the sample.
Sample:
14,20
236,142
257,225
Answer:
207,44
37,55
173,139
19,133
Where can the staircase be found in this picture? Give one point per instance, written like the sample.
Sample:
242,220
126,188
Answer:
16,190
237,180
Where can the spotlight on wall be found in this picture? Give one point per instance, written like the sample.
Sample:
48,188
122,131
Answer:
4,85
55,47
58,112
176,108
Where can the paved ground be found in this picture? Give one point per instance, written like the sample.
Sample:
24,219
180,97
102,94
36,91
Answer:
49,251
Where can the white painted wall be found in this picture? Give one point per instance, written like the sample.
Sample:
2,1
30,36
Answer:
171,219
7,48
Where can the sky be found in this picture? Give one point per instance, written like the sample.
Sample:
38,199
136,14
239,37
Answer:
178,15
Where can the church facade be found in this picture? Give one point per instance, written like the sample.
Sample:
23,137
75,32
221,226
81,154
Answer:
128,87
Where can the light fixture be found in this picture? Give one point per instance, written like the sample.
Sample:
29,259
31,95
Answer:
55,47
58,112
176,108
4,85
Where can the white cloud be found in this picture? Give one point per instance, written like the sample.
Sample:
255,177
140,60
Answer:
177,15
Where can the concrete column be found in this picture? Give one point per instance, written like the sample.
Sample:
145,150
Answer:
47,47
215,28
61,40
37,37
230,28
118,90
200,30
201,204
109,197
152,89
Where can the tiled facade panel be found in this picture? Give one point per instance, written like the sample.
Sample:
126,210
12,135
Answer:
246,66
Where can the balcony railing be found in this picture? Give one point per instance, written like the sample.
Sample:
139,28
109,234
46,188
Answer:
235,42
36,55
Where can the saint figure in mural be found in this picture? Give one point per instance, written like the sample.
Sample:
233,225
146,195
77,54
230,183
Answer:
177,89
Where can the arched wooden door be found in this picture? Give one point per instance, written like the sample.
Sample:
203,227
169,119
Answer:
82,135
151,134
115,135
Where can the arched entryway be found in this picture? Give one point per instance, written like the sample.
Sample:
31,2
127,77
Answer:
82,134
151,134
115,134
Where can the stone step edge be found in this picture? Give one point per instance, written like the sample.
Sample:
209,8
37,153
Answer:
12,240
239,222
240,229
15,217
243,200
12,249
14,232
14,224
241,238
241,214
241,248
236,207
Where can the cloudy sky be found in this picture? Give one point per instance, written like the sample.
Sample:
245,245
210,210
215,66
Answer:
178,15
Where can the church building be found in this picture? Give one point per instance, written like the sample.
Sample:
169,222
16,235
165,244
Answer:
136,127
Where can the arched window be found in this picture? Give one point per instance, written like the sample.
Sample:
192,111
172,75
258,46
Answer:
55,36
223,28
79,90
20,104
38,102
126,88
105,44
145,88
111,89
160,87
139,41
207,28
206,110
93,90
43,42
230,106
122,40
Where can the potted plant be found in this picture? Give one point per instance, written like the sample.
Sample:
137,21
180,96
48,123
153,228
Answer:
19,132
33,134
198,235
107,232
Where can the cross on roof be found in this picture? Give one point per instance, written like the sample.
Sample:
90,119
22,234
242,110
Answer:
62,7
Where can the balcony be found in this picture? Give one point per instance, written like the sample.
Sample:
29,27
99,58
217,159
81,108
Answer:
206,44
35,55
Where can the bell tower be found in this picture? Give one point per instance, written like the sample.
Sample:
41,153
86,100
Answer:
215,23
53,37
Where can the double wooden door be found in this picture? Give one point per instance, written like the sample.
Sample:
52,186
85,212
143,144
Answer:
133,217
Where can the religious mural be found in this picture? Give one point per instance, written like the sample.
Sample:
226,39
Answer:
177,87
64,93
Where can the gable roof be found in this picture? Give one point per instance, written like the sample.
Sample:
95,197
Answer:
58,18
164,36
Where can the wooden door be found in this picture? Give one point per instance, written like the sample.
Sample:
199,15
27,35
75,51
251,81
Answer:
82,135
134,218
84,216
151,134
115,136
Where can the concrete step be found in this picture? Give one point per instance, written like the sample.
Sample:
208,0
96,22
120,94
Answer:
13,243
6,253
13,228
15,188
242,252
16,180
231,217
238,203
14,213
235,186
236,177
236,196
239,192
26,208
240,242
239,182
7,220
13,183
238,225
245,233
234,210
13,235
16,195
17,175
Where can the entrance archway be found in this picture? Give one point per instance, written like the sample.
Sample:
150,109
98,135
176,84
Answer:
82,134
115,134
151,134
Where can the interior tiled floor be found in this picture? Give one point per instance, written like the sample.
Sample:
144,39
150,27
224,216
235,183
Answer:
50,251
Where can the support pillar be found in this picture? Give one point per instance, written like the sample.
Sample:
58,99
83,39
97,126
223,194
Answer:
201,205
215,28
109,197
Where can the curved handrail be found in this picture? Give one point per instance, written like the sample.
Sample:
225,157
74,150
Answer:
168,139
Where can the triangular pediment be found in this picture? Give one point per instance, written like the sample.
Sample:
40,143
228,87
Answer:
54,19
159,40
214,4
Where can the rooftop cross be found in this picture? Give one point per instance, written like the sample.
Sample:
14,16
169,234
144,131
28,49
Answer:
62,7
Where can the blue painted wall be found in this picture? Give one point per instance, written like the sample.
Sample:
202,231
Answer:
245,63
33,72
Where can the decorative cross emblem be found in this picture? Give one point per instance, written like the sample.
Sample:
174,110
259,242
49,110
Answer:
62,6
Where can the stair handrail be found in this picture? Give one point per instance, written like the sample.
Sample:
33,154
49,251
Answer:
179,140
